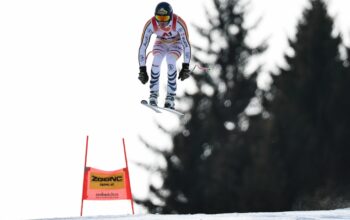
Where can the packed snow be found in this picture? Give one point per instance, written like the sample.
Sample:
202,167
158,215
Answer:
292,215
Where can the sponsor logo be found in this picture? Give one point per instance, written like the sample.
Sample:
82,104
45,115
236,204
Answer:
107,179
184,42
107,195
167,34
142,58
145,42
162,11
103,181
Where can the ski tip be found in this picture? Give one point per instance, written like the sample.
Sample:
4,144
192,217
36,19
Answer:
144,102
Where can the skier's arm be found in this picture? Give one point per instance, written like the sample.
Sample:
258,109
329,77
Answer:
182,29
145,39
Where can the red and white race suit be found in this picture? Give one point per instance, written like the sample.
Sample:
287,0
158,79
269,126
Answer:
171,42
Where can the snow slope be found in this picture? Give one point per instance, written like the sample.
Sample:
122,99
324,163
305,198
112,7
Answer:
295,215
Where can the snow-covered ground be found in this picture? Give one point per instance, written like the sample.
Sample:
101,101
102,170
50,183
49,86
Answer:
295,215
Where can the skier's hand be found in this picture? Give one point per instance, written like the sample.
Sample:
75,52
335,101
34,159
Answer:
143,76
185,71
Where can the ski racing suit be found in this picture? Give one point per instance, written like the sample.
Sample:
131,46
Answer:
170,43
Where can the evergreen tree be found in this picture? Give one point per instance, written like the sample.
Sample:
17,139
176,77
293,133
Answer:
205,170
310,112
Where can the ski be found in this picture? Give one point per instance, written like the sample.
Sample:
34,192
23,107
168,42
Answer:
156,108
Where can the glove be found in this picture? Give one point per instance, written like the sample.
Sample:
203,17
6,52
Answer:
143,76
185,72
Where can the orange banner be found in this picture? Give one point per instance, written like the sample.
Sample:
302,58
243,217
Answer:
106,185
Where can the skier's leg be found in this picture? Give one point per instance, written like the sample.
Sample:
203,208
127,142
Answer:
174,52
171,86
158,55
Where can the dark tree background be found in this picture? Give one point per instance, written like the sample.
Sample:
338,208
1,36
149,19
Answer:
309,112
292,154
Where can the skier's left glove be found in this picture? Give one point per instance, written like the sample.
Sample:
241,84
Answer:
143,76
185,71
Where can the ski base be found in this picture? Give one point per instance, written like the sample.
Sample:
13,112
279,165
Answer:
157,108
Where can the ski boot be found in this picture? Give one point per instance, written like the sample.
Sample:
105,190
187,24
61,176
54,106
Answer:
153,99
169,102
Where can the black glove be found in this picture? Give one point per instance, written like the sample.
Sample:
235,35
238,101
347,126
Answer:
143,76
185,71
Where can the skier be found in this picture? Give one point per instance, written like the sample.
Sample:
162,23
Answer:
172,40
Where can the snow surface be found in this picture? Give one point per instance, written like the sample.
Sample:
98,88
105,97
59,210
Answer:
292,215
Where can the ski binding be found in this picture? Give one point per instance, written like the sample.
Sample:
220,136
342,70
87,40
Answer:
157,108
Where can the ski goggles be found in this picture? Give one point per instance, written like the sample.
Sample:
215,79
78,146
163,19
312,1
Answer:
162,18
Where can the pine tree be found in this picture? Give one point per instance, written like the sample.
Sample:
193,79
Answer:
308,112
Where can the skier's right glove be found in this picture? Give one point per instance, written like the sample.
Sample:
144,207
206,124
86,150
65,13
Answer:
143,76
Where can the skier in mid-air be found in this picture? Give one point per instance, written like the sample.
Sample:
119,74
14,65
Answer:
172,40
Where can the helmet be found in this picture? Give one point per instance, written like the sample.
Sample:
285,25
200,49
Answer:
163,12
